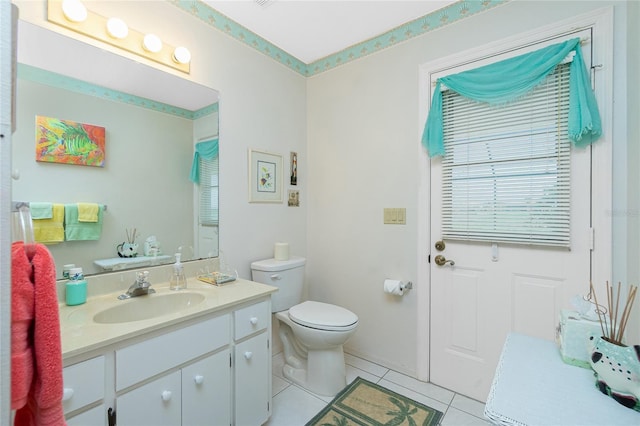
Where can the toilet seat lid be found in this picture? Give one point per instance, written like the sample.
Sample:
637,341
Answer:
323,316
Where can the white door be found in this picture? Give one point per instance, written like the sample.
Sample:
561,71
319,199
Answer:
490,289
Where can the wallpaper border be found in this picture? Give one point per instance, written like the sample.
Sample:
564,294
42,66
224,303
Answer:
438,19
38,75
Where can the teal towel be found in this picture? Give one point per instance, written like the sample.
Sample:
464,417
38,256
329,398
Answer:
81,231
41,210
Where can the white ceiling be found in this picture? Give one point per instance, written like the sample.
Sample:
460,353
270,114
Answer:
313,29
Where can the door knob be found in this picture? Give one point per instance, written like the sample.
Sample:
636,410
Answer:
441,260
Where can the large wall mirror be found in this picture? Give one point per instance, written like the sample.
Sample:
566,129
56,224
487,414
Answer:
152,121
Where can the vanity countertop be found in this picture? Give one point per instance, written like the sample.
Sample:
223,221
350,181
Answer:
80,334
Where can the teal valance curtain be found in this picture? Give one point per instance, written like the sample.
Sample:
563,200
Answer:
507,80
207,150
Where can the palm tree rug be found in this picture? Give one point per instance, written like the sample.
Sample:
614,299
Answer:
365,403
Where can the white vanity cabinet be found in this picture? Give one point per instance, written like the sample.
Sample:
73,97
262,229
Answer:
96,416
210,371
157,403
176,398
206,396
252,387
198,394
84,386
252,364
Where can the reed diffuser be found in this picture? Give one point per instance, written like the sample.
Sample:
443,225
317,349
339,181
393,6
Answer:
613,321
616,365
130,247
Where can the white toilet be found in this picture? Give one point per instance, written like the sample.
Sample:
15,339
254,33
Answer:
312,333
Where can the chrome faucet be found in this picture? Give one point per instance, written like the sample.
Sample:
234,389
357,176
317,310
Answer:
139,288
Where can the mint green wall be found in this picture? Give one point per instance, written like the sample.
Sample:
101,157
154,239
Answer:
363,122
144,183
356,131
633,159
262,106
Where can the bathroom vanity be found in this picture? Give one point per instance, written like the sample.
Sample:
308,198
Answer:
199,356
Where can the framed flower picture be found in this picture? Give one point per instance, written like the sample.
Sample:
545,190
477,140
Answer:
265,177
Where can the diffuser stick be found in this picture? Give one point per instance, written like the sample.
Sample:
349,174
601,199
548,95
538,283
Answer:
623,319
615,315
600,314
610,307
626,313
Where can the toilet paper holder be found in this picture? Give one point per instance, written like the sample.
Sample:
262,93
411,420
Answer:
396,287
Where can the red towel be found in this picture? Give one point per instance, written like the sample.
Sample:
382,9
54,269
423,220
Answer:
36,352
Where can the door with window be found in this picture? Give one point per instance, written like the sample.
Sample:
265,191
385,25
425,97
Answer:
510,226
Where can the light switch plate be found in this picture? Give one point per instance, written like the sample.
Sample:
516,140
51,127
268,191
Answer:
402,216
395,216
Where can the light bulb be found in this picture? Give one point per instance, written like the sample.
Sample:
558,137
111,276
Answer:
74,10
152,43
117,28
182,55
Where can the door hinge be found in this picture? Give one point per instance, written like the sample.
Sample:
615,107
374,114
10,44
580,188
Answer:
429,258
230,362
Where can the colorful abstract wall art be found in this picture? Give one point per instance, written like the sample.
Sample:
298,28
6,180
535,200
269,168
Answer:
69,142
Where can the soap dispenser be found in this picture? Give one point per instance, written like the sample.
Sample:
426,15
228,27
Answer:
178,280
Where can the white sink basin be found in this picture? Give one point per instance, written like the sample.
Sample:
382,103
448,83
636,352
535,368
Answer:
147,307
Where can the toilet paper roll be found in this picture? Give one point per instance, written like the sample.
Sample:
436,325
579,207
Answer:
281,251
395,287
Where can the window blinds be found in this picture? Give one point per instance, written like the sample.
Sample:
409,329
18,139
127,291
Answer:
209,191
506,169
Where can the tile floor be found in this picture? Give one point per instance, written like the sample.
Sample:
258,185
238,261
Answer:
294,406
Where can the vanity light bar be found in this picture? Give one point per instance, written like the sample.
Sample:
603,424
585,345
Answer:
152,43
114,31
117,28
74,10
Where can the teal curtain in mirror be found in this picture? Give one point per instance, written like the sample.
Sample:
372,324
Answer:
208,150
505,81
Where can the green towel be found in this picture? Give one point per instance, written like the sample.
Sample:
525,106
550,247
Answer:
41,210
81,231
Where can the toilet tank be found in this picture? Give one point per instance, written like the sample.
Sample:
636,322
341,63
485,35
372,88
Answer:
287,275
